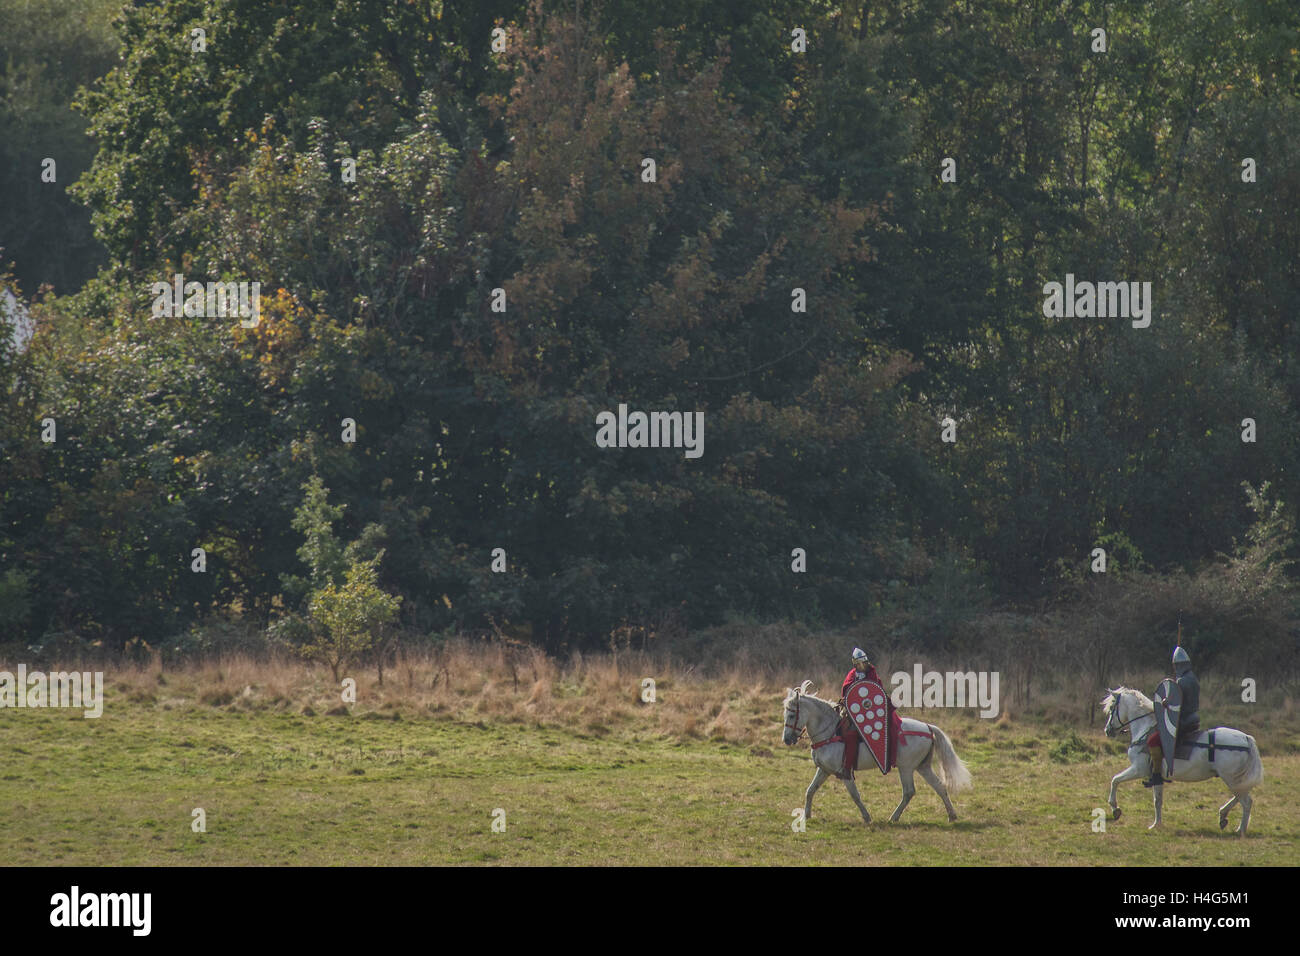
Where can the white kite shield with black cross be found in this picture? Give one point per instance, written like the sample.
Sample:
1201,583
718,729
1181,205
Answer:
1167,702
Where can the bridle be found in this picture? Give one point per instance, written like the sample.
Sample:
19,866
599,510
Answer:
794,725
1115,712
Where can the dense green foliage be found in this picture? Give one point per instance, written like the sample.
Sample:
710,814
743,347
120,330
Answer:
776,170
48,48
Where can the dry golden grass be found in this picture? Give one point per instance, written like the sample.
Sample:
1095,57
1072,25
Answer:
600,694
476,683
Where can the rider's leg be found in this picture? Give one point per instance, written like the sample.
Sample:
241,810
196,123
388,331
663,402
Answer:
1157,756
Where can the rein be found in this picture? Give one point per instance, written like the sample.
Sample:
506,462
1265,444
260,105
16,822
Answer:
1145,713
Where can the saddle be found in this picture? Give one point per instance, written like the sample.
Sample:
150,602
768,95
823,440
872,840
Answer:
1185,742
845,730
1188,739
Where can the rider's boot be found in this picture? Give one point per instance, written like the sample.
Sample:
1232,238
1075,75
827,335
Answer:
1155,780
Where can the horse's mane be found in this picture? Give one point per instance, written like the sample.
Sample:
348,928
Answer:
802,691
828,703
1112,698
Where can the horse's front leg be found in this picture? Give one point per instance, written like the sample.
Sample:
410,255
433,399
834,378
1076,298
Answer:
853,792
1134,772
818,779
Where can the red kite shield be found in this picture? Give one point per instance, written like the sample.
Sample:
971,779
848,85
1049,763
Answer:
869,711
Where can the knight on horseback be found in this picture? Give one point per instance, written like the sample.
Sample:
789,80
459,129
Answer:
863,669
1186,701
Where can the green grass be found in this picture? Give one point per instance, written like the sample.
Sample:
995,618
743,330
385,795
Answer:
285,789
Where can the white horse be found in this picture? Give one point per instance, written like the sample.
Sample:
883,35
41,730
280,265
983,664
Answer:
1234,757
918,745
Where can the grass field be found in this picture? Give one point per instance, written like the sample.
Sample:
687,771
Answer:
415,781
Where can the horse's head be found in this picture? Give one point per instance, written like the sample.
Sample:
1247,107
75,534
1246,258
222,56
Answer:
1124,706
795,718
1111,706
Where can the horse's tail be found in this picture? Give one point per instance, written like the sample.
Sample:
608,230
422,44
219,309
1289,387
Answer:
952,769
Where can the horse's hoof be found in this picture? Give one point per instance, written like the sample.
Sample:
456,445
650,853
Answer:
1118,813
1154,825
952,818
1223,822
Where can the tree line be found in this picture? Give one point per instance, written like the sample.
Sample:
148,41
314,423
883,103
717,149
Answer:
508,169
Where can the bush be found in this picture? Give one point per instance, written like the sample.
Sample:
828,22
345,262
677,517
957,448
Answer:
347,620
